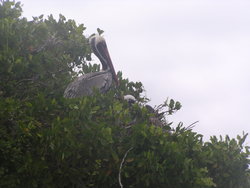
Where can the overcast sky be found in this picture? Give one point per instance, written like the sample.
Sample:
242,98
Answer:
194,51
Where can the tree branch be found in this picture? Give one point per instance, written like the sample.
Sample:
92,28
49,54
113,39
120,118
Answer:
191,126
120,181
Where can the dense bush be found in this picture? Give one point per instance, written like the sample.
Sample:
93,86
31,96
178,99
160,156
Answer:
98,141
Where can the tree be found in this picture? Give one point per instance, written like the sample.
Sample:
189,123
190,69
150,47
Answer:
96,141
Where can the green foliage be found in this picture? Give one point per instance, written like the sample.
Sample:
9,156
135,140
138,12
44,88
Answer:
226,162
39,55
49,141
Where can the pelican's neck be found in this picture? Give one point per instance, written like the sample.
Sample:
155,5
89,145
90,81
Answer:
97,44
99,47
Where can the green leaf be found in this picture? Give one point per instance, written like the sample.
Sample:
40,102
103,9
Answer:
100,32
171,103
114,156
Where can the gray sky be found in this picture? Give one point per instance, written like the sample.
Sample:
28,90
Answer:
194,51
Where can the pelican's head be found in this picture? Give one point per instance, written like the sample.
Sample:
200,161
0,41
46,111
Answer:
99,48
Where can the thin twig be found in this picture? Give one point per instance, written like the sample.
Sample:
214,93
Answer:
25,80
127,127
192,125
120,170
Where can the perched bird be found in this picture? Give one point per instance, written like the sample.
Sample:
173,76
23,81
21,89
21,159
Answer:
130,99
155,118
87,83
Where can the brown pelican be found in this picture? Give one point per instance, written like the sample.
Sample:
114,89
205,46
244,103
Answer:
156,118
85,84
130,99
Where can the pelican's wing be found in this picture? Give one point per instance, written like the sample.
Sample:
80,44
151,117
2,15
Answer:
85,84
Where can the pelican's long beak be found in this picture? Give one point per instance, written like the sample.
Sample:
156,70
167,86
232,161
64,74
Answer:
105,52
110,64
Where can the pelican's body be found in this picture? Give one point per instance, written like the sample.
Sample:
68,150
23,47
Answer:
87,83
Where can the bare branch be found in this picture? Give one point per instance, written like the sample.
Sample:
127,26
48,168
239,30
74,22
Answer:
191,126
120,170
51,41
